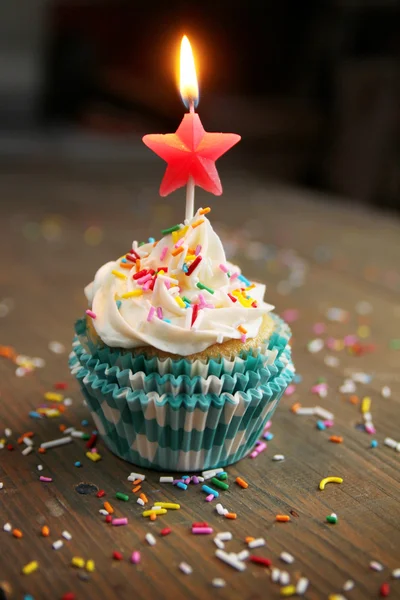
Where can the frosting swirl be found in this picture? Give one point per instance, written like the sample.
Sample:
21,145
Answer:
178,294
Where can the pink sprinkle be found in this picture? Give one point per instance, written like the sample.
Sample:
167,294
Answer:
290,390
329,423
350,340
267,425
198,250
320,387
163,253
202,530
159,312
261,447
224,268
135,558
45,479
243,338
210,497
202,301
122,521
90,313
144,279
179,242
234,275
151,314
290,315
319,328
254,454
167,284
93,450
146,286
370,428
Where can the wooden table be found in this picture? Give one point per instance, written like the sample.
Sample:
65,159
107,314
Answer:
314,254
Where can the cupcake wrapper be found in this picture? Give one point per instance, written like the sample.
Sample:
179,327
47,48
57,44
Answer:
182,415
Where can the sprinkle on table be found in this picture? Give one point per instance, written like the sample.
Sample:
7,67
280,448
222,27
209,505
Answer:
326,480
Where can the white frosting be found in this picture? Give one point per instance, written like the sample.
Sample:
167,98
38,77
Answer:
127,326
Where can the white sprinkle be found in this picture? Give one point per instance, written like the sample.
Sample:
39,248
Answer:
390,442
56,347
1,485
103,512
8,432
396,573
348,585
305,411
243,555
211,473
349,387
361,377
287,558
334,515
331,361
323,413
224,536
1,445
7,527
185,568
40,467
68,401
200,478
367,417
77,434
230,560
27,441
166,479
278,457
315,345
257,543
302,586
68,430
218,582
58,544
375,566
275,574
220,509
386,392
150,539
55,443
27,450
140,501
398,447
219,543
134,476
67,535
284,578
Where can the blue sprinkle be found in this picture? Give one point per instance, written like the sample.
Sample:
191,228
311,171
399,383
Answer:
118,303
84,423
124,260
209,490
321,425
185,477
77,463
374,444
268,436
185,268
222,473
28,597
297,379
244,279
35,415
151,240
181,485
167,320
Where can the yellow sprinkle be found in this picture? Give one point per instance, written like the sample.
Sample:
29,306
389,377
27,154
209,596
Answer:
170,505
335,597
132,294
366,404
180,302
177,235
158,511
118,274
288,590
49,412
323,482
190,257
30,567
363,331
197,223
204,211
53,397
90,566
77,561
94,456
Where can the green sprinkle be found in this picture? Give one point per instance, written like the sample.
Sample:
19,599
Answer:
186,299
331,519
395,344
86,436
201,286
142,243
171,229
222,476
121,496
220,484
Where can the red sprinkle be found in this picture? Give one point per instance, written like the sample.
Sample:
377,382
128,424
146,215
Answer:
259,560
165,531
195,312
385,589
108,519
100,493
10,447
232,298
140,274
254,304
91,442
117,555
165,269
69,596
200,524
60,385
193,265
135,254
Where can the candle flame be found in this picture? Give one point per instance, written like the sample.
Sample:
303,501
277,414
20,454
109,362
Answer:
188,85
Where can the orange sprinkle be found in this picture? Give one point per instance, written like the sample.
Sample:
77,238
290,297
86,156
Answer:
295,407
136,489
27,434
17,533
354,399
282,518
45,531
108,508
231,515
8,352
241,482
337,439
137,482
153,516
242,329
143,497
155,243
249,539
125,265
62,428
205,210
197,223
177,251
61,408
42,450
137,265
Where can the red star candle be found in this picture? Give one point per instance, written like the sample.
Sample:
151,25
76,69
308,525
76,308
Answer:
190,152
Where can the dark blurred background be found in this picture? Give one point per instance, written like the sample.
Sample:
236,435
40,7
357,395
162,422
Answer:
312,86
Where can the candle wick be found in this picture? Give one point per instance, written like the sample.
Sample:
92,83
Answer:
191,106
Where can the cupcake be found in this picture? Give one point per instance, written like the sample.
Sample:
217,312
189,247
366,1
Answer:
180,359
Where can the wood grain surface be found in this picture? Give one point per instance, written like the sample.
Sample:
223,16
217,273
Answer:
314,254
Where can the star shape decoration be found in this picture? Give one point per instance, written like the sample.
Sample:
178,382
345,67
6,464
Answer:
191,152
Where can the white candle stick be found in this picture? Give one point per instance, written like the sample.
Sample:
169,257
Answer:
189,199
